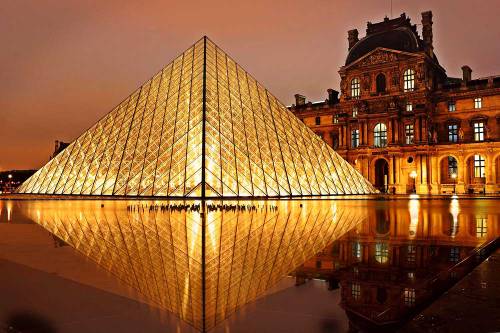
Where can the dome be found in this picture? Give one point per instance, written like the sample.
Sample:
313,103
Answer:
401,39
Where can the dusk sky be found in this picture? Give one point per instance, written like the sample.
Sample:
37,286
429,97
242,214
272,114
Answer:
64,64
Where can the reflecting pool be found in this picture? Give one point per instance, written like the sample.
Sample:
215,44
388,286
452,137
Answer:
386,259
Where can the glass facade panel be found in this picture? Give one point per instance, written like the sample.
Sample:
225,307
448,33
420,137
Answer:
202,126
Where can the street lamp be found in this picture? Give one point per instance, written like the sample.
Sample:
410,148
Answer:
454,177
413,175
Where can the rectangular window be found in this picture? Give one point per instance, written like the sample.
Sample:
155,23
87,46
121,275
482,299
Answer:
478,103
335,119
481,227
409,107
479,166
409,134
356,290
355,112
409,296
355,138
355,88
318,264
318,121
409,80
453,133
452,107
479,131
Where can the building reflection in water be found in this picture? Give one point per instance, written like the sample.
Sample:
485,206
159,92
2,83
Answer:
200,264
403,257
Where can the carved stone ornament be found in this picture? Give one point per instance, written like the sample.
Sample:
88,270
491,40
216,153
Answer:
379,58
366,82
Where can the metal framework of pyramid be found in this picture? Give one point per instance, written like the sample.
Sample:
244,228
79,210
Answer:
201,127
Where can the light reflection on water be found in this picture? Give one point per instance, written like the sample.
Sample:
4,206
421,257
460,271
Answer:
201,265
379,262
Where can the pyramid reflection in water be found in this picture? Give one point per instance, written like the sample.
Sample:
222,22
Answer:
200,266
201,127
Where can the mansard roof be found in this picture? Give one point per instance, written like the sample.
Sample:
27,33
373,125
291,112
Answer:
396,34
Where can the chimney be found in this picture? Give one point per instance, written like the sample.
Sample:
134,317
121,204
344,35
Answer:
333,96
427,32
300,100
466,73
352,37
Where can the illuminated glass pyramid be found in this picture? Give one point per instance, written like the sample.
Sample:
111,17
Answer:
201,127
200,266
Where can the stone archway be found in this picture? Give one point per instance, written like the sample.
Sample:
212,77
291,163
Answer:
475,178
382,175
448,170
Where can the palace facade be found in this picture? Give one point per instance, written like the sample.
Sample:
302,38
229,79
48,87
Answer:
402,122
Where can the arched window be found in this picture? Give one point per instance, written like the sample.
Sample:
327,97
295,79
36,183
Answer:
355,88
380,135
409,79
380,83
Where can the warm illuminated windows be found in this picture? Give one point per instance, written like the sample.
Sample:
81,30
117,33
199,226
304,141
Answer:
481,227
355,88
478,103
453,133
381,252
317,120
355,138
479,166
355,112
479,131
336,119
356,291
409,80
409,134
409,296
452,106
409,107
380,135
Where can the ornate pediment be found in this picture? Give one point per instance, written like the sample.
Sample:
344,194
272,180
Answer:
378,57
381,56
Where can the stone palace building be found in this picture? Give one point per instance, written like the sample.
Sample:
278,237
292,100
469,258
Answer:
402,122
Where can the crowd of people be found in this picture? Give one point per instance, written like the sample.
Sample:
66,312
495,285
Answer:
183,207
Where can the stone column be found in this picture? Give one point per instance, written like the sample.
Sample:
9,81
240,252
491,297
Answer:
462,166
490,180
389,132
435,184
341,136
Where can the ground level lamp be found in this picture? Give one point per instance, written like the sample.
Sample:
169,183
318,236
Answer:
413,175
454,177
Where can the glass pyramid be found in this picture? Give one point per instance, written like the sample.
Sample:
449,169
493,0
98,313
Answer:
201,127
202,265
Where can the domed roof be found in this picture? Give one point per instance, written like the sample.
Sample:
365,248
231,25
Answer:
401,39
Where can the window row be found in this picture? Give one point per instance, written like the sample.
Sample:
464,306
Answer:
454,133
478,104
380,81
